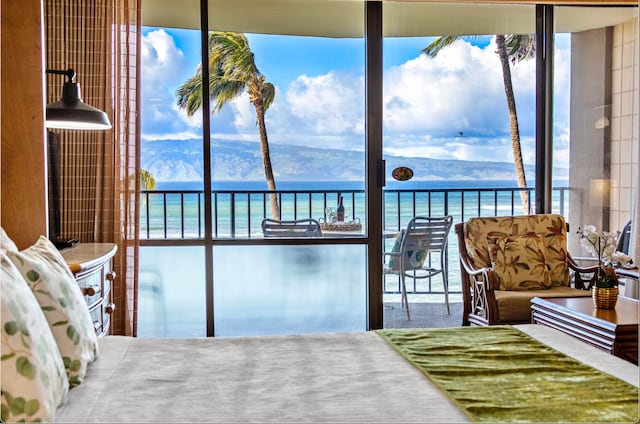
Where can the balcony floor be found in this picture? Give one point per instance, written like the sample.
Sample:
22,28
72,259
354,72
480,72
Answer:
427,311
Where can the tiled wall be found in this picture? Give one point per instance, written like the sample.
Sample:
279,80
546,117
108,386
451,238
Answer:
624,122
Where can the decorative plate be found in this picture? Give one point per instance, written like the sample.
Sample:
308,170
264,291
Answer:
402,173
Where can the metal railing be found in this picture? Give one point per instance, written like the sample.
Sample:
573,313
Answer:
179,214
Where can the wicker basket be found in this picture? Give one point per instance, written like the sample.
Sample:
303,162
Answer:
604,298
343,226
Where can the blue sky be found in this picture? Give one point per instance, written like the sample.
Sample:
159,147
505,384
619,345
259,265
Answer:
319,100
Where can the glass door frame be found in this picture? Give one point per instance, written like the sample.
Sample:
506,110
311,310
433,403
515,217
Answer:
374,172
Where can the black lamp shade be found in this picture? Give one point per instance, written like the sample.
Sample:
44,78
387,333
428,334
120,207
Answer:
70,112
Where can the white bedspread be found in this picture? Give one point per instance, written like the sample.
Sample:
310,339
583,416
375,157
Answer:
346,377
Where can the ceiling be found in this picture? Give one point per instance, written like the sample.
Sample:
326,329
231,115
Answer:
405,18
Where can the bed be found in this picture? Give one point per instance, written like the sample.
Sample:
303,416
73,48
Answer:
55,368
342,377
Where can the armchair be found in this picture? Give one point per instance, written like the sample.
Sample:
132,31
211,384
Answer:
506,261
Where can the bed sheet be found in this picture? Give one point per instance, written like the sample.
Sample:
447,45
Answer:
339,377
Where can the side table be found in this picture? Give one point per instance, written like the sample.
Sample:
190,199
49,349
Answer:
92,267
614,330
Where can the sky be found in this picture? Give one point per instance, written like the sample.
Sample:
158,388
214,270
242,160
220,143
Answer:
448,107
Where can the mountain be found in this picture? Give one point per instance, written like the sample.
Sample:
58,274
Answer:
181,160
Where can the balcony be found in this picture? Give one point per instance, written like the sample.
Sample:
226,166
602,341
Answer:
172,231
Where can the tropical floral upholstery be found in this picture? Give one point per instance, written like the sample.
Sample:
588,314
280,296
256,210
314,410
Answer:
480,233
48,275
520,263
34,381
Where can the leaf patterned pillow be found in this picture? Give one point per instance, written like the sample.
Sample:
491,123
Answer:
519,262
61,299
34,380
5,242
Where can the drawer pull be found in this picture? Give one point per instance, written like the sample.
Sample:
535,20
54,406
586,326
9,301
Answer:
110,308
89,291
111,275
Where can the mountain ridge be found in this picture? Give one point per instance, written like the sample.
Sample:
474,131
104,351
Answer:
181,160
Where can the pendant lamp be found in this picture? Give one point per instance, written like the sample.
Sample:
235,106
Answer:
70,112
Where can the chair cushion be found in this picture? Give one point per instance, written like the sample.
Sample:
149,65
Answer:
551,227
414,259
519,262
515,306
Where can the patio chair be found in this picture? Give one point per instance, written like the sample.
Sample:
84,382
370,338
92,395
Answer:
506,261
306,227
624,238
413,246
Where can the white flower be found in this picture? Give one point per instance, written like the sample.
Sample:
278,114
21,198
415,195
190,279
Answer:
602,246
621,258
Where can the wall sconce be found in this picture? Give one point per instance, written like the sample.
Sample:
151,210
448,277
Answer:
599,190
70,112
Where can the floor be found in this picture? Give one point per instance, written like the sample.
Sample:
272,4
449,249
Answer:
423,315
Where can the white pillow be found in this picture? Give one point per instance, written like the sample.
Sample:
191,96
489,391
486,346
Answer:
6,243
34,380
63,303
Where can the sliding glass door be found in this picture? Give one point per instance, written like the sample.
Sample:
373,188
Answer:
283,139
459,120
324,91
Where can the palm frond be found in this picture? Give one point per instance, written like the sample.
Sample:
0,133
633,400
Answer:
268,94
190,94
520,47
438,44
232,69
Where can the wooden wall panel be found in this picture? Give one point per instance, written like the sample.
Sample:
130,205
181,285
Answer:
23,199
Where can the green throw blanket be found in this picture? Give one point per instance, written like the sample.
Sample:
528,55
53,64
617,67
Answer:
500,374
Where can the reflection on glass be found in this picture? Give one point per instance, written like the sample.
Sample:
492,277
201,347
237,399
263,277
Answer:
171,292
595,122
265,290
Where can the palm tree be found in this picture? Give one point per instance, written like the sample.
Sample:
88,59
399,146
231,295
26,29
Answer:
232,70
514,48
147,182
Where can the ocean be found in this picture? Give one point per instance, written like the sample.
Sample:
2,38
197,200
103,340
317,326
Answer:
239,207
333,296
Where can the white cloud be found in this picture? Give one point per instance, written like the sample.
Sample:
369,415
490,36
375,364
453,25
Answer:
162,62
163,70
427,103
332,103
183,136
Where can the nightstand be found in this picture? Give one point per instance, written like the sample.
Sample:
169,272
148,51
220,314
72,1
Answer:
92,266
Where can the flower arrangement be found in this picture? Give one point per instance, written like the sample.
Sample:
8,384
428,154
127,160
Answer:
602,245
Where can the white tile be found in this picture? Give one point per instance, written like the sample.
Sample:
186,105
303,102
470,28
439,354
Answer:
627,78
626,103
616,58
617,35
615,128
626,127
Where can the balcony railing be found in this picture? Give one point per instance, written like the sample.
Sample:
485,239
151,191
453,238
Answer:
177,217
179,214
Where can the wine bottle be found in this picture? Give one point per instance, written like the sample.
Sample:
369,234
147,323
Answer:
340,210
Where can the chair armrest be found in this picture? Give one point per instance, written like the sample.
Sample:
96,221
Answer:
488,274
579,270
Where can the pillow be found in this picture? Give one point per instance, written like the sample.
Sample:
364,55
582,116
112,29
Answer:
62,301
394,260
34,380
414,259
6,243
519,262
